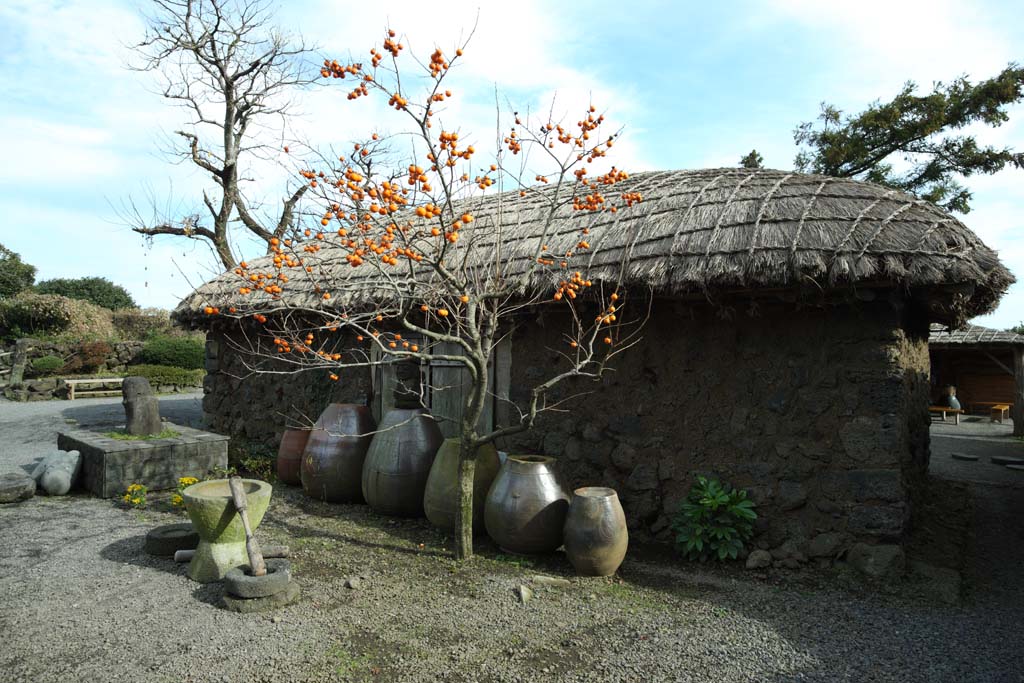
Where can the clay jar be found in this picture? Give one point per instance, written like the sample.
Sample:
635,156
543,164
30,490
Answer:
398,463
441,498
289,456
595,531
526,506
332,463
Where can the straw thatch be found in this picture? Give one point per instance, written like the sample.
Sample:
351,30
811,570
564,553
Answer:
709,231
973,335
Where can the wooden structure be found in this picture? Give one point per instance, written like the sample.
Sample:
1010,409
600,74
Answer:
946,410
985,365
95,392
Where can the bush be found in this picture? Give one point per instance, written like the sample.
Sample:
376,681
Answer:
141,323
48,315
47,365
181,352
714,521
166,374
15,275
89,357
96,290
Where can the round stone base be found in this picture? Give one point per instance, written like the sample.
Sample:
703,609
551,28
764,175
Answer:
248,605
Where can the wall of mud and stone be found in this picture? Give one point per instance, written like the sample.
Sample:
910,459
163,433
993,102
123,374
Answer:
820,413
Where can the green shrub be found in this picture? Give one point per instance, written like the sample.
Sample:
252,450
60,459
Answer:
15,275
47,365
49,315
96,290
714,521
167,374
141,323
181,352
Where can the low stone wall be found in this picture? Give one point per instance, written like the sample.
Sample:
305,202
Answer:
48,389
821,414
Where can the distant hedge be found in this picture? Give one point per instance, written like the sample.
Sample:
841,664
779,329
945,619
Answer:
166,374
96,290
142,323
180,352
47,365
31,314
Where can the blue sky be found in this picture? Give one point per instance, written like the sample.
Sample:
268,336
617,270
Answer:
695,84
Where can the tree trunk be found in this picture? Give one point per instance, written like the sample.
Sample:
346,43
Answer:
1018,391
464,518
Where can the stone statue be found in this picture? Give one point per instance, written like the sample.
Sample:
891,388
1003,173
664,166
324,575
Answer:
141,407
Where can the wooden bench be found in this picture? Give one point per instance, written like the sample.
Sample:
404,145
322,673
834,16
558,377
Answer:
999,411
946,409
72,384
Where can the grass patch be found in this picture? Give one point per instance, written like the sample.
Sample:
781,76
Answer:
121,435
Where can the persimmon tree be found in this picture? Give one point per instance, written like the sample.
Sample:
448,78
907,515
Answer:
419,259
234,72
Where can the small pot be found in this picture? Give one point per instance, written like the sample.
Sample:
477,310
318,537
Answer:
595,531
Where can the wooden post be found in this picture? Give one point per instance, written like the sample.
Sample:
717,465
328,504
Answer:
1018,390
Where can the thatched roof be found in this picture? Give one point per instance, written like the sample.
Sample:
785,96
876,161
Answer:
972,335
711,231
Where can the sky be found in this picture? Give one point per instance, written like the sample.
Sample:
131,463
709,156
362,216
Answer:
694,84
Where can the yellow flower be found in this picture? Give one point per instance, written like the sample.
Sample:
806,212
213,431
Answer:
177,500
136,501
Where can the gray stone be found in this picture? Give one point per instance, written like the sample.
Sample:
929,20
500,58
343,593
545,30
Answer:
250,605
141,407
353,583
624,457
791,495
759,559
524,593
58,472
1005,460
16,487
964,456
551,581
867,439
877,561
887,522
790,550
593,432
643,478
1015,468
828,544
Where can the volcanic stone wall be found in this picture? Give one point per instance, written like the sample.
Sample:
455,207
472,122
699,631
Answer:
820,413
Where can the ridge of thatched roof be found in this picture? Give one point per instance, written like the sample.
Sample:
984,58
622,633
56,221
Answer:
973,335
709,231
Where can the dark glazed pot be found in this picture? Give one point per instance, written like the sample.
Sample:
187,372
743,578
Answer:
398,463
289,456
526,506
595,531
441,498
332,464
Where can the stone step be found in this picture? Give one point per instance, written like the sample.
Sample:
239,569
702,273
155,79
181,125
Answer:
964,456
1006,460
1018,468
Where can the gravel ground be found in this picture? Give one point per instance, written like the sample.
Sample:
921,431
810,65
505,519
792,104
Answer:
79,601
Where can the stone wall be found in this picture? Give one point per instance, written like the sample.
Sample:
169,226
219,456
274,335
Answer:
820,413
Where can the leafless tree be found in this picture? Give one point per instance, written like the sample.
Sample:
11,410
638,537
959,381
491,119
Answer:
234,72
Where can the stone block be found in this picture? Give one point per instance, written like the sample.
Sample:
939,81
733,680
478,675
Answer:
644,477
871,439
829,544
881,521
16,487
624,457
877,561
865,485
110,465
791,495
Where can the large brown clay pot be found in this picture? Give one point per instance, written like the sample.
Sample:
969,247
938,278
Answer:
526,506
398,463
595,531
441,498
289,456
332,464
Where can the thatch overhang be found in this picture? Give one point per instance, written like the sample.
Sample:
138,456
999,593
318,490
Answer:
704,233
973,336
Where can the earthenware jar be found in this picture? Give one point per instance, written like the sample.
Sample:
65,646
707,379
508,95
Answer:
441,498
595,531
398,463
332,463
526,506
221,534
289,456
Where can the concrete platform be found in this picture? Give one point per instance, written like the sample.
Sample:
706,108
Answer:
110,465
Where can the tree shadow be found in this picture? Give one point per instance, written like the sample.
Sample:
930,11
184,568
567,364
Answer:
186,411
